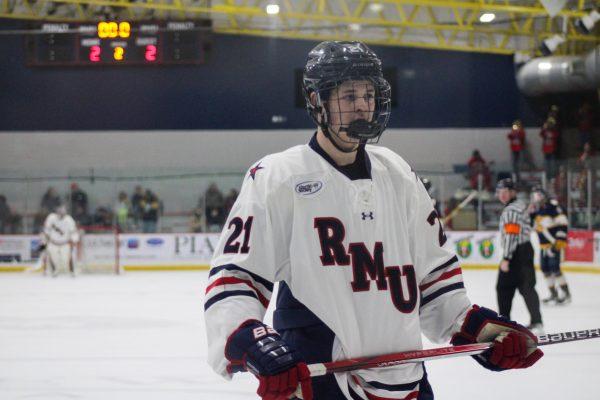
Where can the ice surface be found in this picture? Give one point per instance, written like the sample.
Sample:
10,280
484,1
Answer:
141,337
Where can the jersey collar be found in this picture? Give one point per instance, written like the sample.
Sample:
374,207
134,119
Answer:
359,169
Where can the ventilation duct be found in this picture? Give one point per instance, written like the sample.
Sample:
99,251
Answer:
560,74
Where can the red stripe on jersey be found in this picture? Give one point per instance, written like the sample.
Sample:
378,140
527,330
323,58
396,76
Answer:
370,396
230,280
445,275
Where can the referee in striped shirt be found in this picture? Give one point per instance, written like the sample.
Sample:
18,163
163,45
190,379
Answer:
516,268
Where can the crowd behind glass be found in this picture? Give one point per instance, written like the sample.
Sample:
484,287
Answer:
569,174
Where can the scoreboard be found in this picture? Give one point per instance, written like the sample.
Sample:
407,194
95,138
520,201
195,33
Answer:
118,43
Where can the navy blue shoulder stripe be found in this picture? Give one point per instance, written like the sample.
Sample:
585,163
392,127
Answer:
233,267
445,265
224,295
394,388
439,292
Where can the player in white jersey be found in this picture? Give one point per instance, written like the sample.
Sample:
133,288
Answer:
60,235
350,233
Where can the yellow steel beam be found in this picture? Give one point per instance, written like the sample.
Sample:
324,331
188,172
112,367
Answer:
382,42
331,18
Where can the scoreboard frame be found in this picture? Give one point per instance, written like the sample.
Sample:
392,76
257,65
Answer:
117,43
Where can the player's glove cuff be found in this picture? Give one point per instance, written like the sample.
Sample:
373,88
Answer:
514,346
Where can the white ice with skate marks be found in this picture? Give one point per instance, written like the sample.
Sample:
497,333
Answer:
141,337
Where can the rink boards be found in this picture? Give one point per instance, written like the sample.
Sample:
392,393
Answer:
191,251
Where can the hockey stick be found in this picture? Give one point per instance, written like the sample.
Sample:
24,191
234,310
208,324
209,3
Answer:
405,357
459,207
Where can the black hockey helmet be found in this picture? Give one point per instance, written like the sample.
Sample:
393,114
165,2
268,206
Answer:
506,183
330,64
538,194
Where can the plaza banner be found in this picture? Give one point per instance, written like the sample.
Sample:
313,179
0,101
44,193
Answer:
475,249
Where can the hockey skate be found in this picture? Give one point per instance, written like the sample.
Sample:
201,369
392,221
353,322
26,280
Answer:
552,300
563,301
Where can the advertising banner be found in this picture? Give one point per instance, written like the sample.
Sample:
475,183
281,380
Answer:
580,246
15,248
475,249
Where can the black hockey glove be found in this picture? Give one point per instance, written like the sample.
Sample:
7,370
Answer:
514,346
258,348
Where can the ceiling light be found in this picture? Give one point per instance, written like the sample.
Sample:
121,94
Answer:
549,45
487,17
272,9
354,27
376,7
586,23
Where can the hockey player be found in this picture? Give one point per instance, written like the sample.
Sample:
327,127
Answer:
516,268
350,234
550,223
60,235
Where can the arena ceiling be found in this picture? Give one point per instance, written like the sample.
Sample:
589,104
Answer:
518,26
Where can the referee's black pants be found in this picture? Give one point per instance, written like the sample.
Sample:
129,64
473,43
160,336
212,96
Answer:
521,275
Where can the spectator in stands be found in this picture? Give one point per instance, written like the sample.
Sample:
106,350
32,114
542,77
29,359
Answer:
78,202
585,162
230,200
554,113
150,211
4,214
550,135
478,166
122,210
10,223
103,218
560,185
516,138
136,205
585,123
197,221
50,201
214,205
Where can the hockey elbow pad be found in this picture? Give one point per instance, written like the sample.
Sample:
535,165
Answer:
258,348
513,345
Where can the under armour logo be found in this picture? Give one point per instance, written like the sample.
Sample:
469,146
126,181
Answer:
367,215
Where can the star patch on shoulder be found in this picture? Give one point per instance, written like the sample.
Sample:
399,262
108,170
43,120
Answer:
254,170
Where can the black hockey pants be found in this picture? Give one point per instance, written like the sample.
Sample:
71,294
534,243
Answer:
521,275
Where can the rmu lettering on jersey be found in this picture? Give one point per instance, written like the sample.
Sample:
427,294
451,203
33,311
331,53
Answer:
366,266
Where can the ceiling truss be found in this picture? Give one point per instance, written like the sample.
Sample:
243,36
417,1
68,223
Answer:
519,26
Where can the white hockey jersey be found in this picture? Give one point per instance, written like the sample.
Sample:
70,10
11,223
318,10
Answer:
365,256
59,230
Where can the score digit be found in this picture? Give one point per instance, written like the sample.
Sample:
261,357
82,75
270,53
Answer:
95,52
119,53
124,30
102,30
150,53
113,30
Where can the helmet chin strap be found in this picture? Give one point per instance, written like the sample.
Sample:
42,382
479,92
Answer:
327,132
329,136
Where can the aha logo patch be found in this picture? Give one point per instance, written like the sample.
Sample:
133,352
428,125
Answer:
486,248
308,188
464,247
